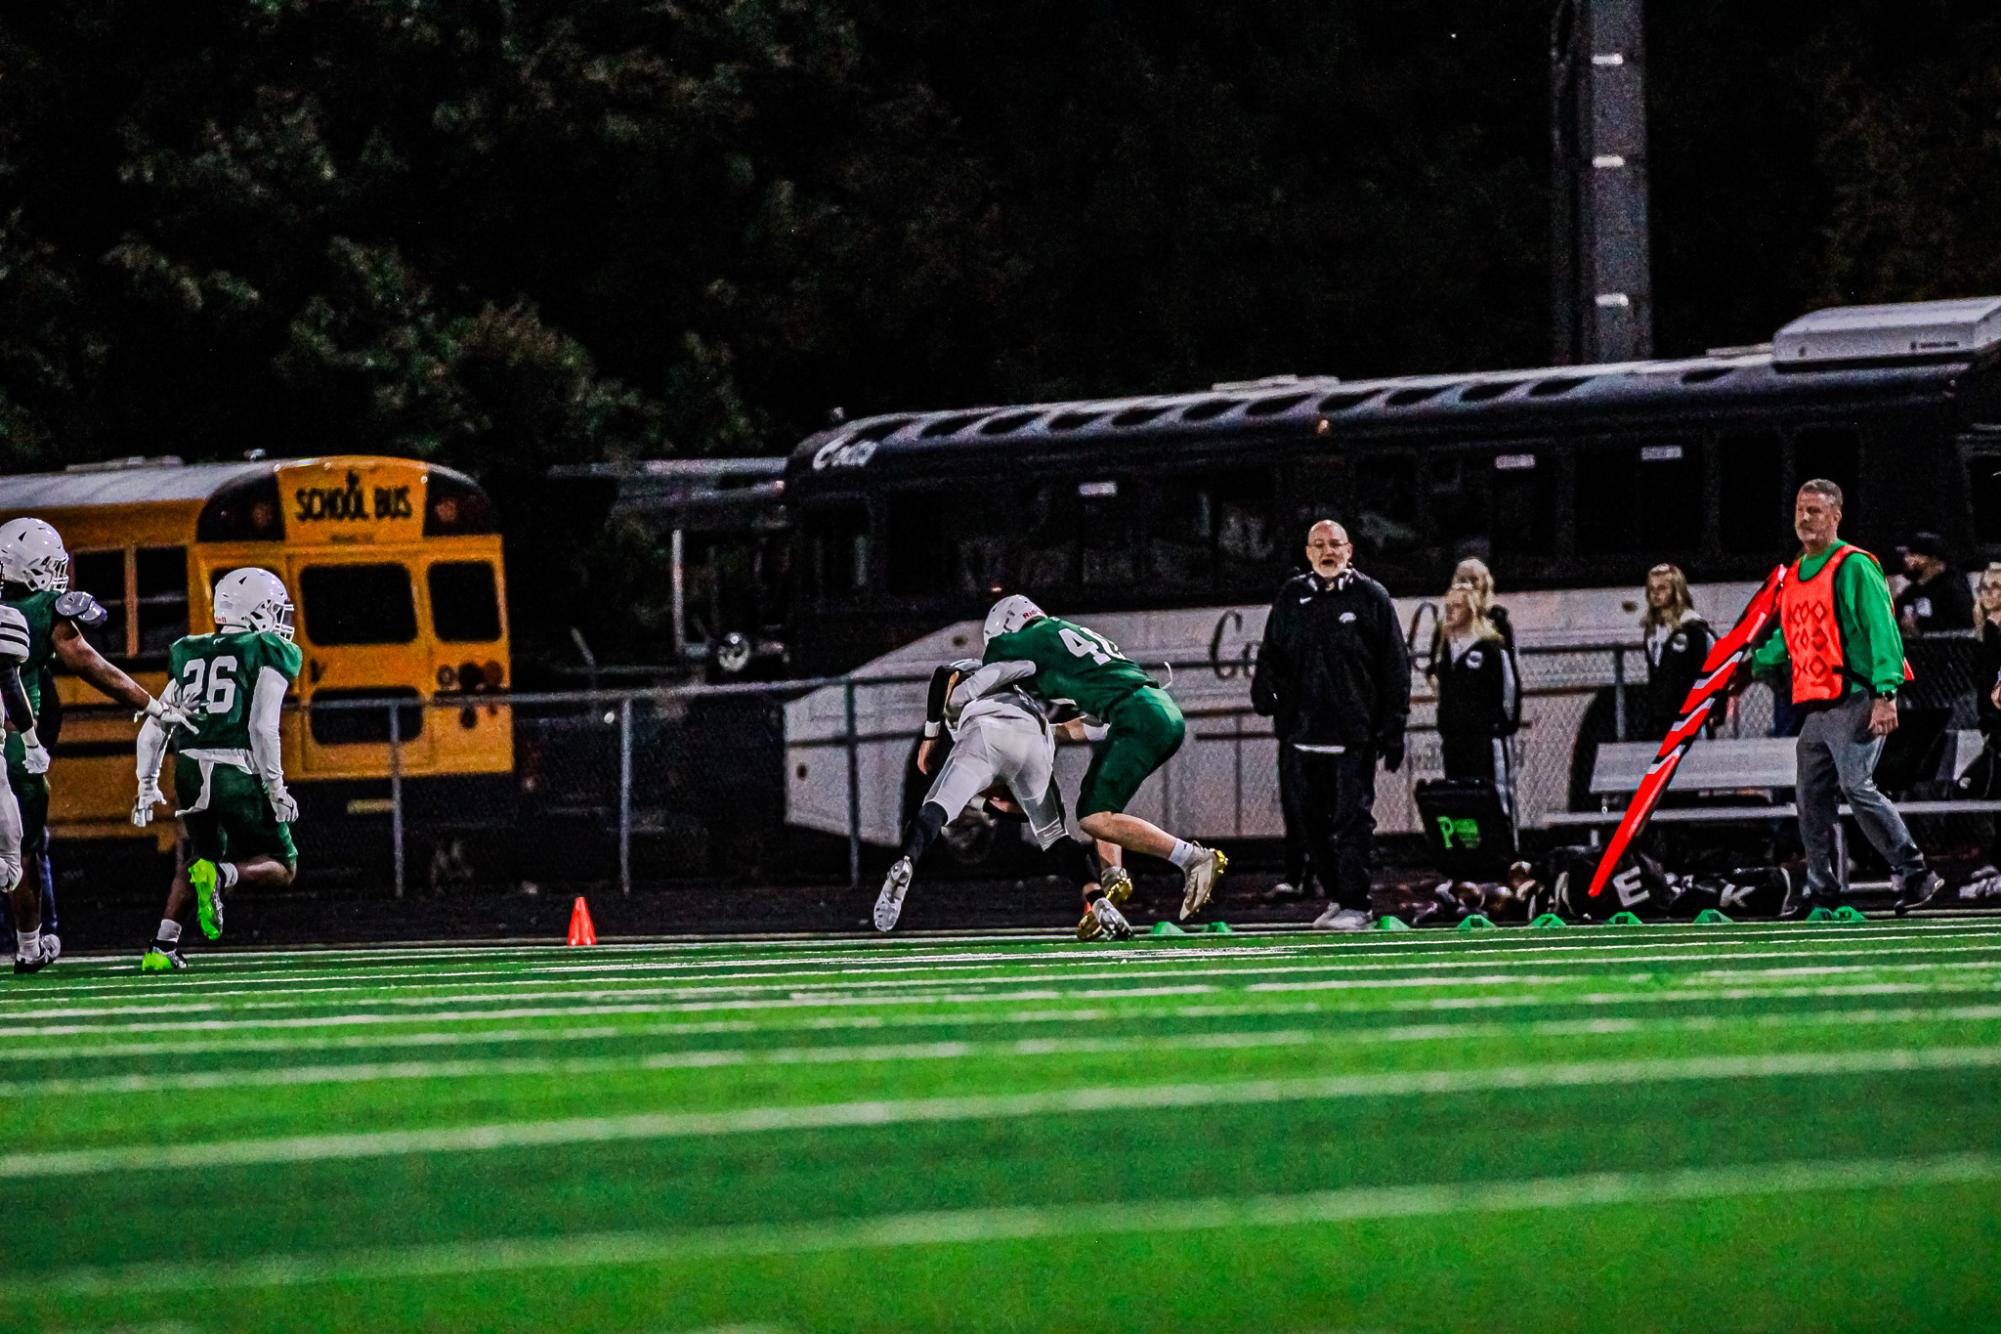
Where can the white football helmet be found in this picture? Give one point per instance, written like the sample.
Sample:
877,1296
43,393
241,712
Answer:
1009,615
253,599
32,553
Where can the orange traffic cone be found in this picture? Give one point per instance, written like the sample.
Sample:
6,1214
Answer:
581,930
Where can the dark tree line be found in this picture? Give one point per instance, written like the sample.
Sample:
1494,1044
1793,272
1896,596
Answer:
508,233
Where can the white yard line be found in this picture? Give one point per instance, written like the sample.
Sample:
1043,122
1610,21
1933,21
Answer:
964,1049
194,1001
491,1255
22,1033
200,1156
891,969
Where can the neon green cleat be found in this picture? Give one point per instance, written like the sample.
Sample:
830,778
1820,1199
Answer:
207,883
157,960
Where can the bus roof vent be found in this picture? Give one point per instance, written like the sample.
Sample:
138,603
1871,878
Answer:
1277,403
1075,419
1417,393
949,425
1209,409
1912,331
1007,423
1140,416
1558,384
883,429
1486,389
1344,399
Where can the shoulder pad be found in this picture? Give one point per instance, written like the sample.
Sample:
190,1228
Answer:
80,607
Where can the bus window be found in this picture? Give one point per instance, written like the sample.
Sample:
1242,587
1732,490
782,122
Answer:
163,598
1983,475
1374,496
1492,503
1639,499
1830,452
1213,529
962,547
102,575
836,546
1752,511
465,608
1089,533
357,604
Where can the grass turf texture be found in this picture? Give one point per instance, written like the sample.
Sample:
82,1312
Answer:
1737,1127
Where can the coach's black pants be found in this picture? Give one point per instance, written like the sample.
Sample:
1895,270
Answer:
1337,798
1294,816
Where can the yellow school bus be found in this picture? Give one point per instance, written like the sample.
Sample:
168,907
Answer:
394,569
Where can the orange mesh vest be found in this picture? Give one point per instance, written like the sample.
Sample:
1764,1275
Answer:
1813,635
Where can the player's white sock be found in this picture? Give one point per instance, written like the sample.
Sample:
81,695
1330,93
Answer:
1185,855
228,870
170,932
28,944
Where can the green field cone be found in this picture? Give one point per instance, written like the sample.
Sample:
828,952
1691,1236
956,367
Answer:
1220,929
1391,922
1478,922
1822,915
1167,929
1549,921
1622,919
1848,912
1711,917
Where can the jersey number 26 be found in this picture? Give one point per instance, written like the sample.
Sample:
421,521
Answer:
220,696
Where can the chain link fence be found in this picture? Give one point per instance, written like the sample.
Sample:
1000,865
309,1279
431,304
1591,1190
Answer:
812,781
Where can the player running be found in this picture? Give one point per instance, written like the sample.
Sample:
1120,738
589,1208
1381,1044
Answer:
34,585
1061,660
1003,738
17,714
237,816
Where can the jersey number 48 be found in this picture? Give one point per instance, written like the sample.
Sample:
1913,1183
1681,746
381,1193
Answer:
1090,644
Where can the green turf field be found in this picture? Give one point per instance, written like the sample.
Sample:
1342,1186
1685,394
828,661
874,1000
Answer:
1712,1128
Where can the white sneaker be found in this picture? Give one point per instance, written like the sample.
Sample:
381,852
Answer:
1198,882
1337,918
889,903
1104,920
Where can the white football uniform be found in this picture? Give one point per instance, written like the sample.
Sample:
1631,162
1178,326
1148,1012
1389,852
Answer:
1003,738
13,650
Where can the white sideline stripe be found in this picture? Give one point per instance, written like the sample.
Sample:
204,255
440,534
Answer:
989,998
783,1024
153,1157
888,1053
598,1250
893,970
507,992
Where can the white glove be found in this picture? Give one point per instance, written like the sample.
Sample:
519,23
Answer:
168,716
282,804
34,758
149,797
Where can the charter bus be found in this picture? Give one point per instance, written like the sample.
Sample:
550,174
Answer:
394,568
1168,522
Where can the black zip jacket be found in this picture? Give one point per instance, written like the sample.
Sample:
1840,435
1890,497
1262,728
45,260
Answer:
1333,670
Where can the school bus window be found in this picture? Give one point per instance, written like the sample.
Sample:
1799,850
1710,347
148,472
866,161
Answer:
357,604
163,597
102,575
465,607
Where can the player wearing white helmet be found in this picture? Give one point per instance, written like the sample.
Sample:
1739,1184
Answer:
34,584
236,814
1061,660
1003,739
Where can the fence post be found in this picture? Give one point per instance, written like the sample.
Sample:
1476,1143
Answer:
1619,690
625,796
396,790
854,790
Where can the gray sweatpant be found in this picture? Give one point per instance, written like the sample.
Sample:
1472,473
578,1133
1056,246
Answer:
1837,759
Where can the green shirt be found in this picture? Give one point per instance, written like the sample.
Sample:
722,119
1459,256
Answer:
39,610
1872,648
1071,663
215,677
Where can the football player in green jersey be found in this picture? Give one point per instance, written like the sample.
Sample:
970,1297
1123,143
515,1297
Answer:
1061,660
236,816
34,583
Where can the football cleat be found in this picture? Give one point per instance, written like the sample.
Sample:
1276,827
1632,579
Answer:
1199,881
51,950
1916,891
1118,885
161,959
1337,918
206,882
1103,920
889,903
